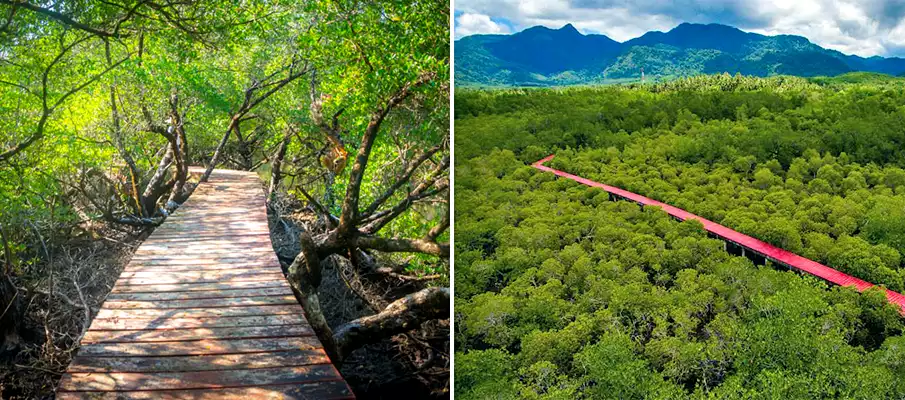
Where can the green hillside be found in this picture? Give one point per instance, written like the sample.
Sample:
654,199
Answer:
541,56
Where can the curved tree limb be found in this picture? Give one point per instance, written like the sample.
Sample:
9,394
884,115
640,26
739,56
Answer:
319,207
400,316
156,187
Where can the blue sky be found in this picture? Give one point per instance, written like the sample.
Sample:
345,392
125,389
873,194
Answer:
862,27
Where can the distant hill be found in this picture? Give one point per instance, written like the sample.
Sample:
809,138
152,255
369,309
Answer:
858,77
541,56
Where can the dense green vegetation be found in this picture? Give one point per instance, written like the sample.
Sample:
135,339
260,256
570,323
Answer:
561,293
540,56
342,106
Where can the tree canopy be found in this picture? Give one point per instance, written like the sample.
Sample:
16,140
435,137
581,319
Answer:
562,293
342,106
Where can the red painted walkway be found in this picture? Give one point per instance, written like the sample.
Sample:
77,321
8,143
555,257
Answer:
770,252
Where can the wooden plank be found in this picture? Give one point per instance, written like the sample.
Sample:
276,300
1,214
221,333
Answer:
203,303
249,267
182,212
251,249
212,220
212,265
197,286
218,236
136,267
198,380
191,227
248,311
209,251
214,294
233,237
183,242
328,390
206,245
250,277
204,224
205,261
200,220
170,335
275,273
180,323
256,228
199,347
200,363
208,234
239,255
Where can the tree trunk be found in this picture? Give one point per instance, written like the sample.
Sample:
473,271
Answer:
180,144
216,158
277,164
243,149
157,186
10,308
305,278
10,303
329,197
124,153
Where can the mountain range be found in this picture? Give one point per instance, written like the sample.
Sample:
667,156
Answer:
540,56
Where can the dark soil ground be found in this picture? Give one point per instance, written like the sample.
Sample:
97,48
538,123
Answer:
83,272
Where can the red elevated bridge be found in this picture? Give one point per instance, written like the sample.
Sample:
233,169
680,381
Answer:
747,243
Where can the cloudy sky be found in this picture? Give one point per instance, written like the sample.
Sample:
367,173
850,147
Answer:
862,27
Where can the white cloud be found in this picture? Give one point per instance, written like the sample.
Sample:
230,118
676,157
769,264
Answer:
471,24
862,27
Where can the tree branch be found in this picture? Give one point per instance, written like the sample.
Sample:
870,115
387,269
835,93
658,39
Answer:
350,203
380,220
48,110
319,207
180,145
247,105
402,180
399,245
438,230
62,18
156,186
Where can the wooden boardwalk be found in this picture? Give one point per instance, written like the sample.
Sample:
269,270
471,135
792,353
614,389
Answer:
203,311
755,246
